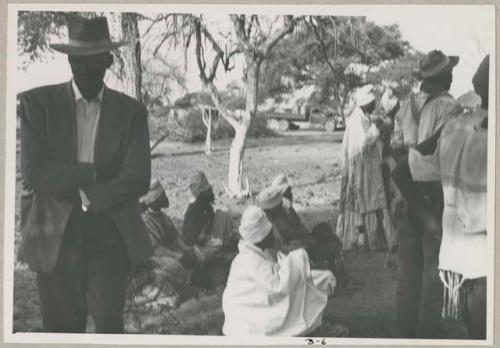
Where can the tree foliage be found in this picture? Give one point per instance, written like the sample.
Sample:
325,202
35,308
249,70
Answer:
36,28
398,73
333,53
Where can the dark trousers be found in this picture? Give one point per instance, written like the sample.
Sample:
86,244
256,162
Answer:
474,311
90,276
419,289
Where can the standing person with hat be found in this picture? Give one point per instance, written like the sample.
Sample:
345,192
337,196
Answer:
419,290
85,162
363,213
265,296
457,156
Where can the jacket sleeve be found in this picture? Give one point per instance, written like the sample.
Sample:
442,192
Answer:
134,175
39,170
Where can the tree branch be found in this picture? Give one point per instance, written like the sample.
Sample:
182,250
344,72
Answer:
322,45
208,80
278,35
239,28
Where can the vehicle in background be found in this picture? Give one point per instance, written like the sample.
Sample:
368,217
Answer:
316,115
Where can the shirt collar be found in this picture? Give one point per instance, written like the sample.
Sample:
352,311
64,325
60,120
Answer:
78,94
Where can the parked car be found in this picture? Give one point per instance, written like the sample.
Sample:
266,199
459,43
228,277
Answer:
283,120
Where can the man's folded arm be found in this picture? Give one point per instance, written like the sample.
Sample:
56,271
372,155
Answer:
39,171
133,176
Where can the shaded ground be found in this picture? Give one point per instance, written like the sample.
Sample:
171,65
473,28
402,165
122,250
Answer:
310,160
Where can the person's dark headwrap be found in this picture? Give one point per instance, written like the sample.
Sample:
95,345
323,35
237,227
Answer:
481,78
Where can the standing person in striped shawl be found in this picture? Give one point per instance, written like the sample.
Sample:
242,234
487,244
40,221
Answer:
363,214
457,156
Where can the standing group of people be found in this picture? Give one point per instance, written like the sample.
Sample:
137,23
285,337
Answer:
85,161
416,179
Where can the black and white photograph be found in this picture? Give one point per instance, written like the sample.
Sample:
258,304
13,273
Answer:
250,174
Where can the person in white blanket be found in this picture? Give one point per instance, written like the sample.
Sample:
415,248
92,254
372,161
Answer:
268,296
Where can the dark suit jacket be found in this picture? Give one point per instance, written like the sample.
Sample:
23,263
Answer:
52,174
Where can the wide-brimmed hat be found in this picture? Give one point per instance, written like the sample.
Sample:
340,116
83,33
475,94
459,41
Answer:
199,183
87,37
364,95
155,192
271,196
434,63
254,225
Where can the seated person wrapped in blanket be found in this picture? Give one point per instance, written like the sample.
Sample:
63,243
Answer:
272,296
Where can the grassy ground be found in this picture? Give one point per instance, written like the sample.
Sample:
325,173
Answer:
310,159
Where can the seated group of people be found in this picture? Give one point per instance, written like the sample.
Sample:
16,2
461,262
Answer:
181,259
281,274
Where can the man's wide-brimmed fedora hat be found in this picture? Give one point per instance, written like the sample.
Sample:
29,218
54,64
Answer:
87,37
434,63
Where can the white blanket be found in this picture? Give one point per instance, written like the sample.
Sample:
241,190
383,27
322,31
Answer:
264,297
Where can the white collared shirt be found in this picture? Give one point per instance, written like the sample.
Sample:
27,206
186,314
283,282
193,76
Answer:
87,118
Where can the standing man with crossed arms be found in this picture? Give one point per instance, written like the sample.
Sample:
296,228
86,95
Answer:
85,161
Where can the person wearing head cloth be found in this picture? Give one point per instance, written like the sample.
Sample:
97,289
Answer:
85,161
287,201
419,289
154,282
289,231
321,243
208,230
265,296
364,219
162,231
458,158
390,105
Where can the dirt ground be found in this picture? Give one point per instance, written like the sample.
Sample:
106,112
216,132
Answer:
310,160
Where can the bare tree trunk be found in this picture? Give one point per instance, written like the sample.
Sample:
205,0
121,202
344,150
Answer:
132,80
235,172
237,186
207,121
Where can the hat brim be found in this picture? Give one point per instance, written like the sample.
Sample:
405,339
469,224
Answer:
452,63
86,51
